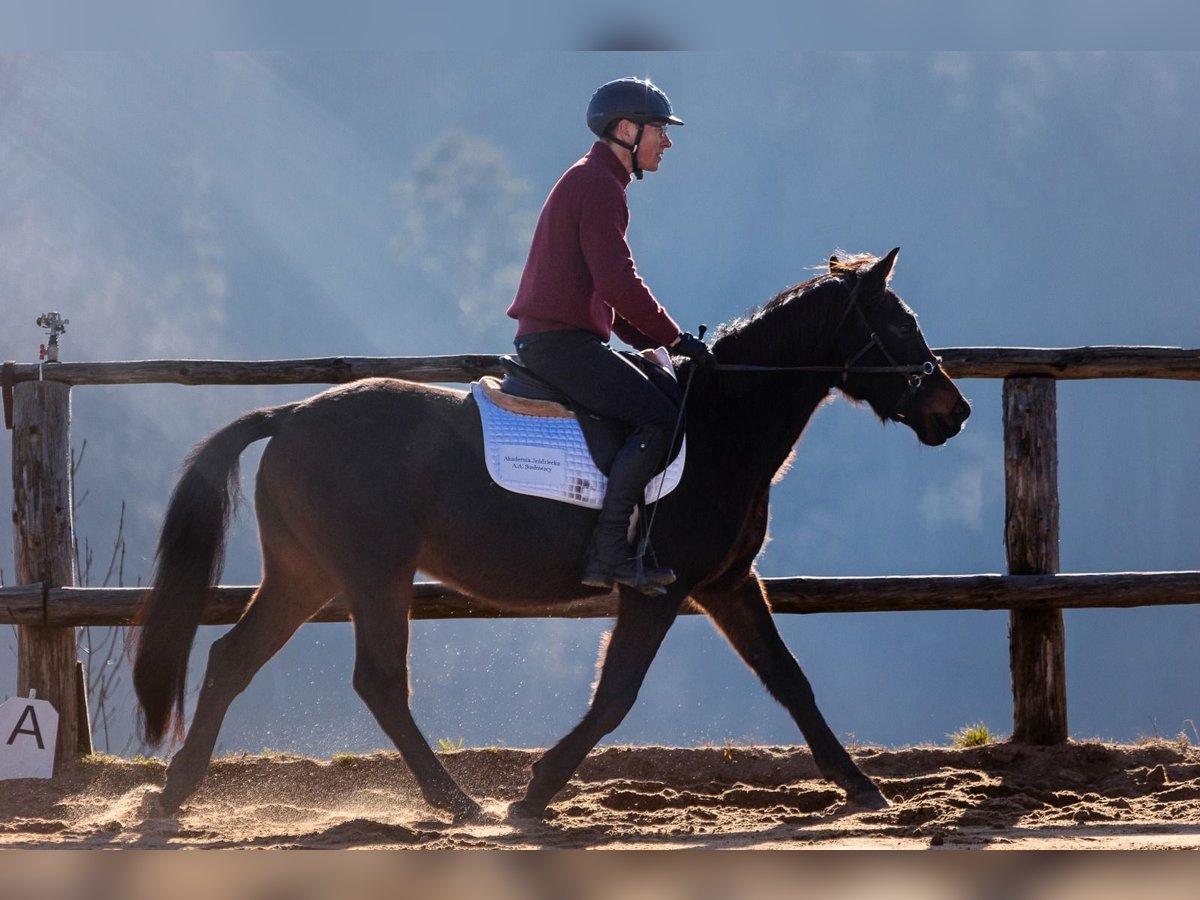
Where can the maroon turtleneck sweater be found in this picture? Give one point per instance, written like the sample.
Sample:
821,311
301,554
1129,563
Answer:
580,272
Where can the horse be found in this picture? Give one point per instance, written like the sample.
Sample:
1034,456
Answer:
363,485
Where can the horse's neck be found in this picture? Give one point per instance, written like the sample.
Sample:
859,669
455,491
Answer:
791,330
759,417
758,423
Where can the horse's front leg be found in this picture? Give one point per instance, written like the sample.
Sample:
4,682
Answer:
742,615
642,623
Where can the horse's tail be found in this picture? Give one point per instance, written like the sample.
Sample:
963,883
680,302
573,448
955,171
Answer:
190,556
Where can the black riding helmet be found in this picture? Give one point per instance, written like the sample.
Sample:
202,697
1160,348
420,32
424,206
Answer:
639,101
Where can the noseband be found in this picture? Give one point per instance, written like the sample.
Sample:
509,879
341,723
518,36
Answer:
916,373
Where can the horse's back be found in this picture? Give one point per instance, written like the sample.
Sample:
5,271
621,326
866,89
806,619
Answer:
378,399
373,426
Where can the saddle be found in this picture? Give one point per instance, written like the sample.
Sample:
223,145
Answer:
537,442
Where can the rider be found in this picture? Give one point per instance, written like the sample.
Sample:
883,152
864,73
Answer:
579,286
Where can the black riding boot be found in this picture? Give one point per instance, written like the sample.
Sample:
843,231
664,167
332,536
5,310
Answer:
610,559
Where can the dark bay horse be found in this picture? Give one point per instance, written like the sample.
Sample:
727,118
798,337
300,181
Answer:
365,484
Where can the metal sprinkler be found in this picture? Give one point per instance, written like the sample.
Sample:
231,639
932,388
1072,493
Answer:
55,325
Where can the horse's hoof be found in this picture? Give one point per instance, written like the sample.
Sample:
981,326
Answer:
467,813
155,805
523,813
866,798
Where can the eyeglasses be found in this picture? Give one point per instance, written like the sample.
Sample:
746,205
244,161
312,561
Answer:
662,129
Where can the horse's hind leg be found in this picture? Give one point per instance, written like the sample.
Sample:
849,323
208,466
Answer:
380,615
742,615
642,624
291,591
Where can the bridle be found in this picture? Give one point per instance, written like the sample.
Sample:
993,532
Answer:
916,373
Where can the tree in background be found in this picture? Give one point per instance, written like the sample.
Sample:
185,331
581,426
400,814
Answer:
466,222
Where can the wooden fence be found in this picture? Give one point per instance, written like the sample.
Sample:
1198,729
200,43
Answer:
46,607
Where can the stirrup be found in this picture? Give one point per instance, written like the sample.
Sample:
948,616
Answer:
630,573
642,586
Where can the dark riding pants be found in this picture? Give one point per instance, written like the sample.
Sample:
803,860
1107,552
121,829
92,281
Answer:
599,380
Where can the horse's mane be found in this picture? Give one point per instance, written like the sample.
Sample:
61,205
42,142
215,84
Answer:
808,324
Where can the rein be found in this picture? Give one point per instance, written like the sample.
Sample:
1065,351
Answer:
925,368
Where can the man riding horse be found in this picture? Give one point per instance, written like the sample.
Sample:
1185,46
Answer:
579,286
366,484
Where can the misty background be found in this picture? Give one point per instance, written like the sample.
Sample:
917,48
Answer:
282,205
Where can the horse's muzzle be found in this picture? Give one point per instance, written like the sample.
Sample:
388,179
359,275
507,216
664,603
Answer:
937,426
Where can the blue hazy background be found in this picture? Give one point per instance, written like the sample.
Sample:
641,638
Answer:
292,204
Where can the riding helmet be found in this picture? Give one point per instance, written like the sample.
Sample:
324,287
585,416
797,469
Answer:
634,99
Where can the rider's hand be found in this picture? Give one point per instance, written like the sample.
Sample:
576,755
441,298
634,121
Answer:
696,350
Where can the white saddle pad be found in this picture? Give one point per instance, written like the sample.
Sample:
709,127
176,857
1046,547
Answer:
548,457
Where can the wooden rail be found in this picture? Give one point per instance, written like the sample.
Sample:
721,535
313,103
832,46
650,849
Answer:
69,607
47,608
1064,363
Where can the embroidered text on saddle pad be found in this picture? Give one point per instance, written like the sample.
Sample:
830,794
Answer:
546,455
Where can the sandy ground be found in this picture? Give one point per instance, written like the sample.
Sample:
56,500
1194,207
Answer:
1078,796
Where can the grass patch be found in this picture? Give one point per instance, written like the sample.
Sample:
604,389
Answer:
110,759
446,745
974,735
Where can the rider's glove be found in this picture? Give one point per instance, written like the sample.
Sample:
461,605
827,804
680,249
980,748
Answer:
696,350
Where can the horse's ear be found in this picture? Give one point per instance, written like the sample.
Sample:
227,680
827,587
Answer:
885,265
834,263
875,279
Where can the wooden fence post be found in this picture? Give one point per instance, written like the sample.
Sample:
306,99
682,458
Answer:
42,520
1036,636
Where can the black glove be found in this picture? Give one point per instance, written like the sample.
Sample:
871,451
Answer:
696,350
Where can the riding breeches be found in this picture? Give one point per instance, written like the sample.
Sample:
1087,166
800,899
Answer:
601,381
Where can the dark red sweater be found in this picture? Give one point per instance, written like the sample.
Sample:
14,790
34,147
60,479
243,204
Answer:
580,271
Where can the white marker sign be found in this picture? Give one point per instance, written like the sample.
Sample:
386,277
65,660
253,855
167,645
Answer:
546,466
28,733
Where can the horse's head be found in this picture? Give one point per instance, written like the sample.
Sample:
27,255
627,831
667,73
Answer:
887,362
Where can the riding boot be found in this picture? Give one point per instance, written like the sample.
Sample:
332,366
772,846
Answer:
610,559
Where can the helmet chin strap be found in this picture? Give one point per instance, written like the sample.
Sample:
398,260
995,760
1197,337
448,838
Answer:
632,148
